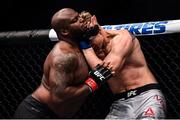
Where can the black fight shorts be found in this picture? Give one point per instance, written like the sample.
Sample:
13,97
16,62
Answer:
30,108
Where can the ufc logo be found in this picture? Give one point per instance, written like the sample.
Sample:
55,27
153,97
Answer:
99,75
160,100
133,92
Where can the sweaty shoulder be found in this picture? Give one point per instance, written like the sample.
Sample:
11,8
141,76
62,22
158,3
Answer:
125,34
122,35
64,55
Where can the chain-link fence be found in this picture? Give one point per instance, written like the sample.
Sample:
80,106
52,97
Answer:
21,67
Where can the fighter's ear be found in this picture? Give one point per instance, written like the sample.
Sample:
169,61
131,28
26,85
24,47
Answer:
94,19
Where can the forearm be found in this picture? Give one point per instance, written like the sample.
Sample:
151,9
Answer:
112,60
91,57
76,93
115,61
71,100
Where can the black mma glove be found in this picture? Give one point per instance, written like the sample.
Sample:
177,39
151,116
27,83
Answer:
98,76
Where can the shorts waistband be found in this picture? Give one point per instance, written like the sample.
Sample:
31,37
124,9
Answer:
134,92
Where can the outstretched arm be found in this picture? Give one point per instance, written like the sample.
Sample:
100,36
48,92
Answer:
121,46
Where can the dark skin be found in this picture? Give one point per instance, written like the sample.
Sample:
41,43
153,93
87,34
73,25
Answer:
65,69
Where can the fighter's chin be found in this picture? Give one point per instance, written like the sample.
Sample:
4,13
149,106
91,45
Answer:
92,31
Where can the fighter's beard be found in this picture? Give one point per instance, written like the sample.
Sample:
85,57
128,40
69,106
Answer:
87,30
92,31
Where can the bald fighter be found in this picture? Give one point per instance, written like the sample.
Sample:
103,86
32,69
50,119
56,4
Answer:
136,91
66,81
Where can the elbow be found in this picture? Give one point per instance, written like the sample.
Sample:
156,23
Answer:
116,63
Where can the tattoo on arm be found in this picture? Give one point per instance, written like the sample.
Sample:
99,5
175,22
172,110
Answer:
63,72
68,63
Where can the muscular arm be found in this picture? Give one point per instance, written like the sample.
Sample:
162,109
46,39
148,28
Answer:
64,89
121,46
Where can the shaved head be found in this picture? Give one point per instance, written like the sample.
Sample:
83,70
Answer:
62,18
69,24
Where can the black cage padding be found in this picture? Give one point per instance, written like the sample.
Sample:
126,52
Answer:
21,62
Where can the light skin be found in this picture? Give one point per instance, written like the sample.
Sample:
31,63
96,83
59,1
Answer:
121,51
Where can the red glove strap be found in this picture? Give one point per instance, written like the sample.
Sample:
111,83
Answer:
92,84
